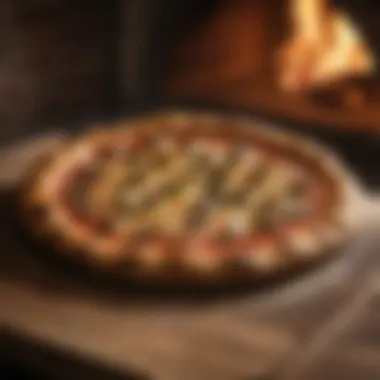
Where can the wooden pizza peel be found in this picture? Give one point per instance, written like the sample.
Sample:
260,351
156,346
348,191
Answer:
242,336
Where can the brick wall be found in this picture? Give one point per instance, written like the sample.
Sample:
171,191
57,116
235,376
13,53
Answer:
55,61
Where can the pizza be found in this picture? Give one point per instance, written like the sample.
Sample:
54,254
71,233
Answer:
188,196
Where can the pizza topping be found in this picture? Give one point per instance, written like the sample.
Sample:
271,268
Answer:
247,192
240,174
230,221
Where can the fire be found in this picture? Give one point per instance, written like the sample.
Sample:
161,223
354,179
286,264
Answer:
325,46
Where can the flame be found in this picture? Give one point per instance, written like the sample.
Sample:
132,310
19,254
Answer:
325,46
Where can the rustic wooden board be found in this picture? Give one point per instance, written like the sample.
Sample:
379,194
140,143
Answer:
241,336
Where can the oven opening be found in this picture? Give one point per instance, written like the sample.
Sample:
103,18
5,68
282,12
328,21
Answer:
305,59
324,47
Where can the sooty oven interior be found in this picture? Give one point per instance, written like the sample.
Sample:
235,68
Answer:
309,64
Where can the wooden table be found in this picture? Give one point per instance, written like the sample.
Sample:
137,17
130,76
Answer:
319,326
